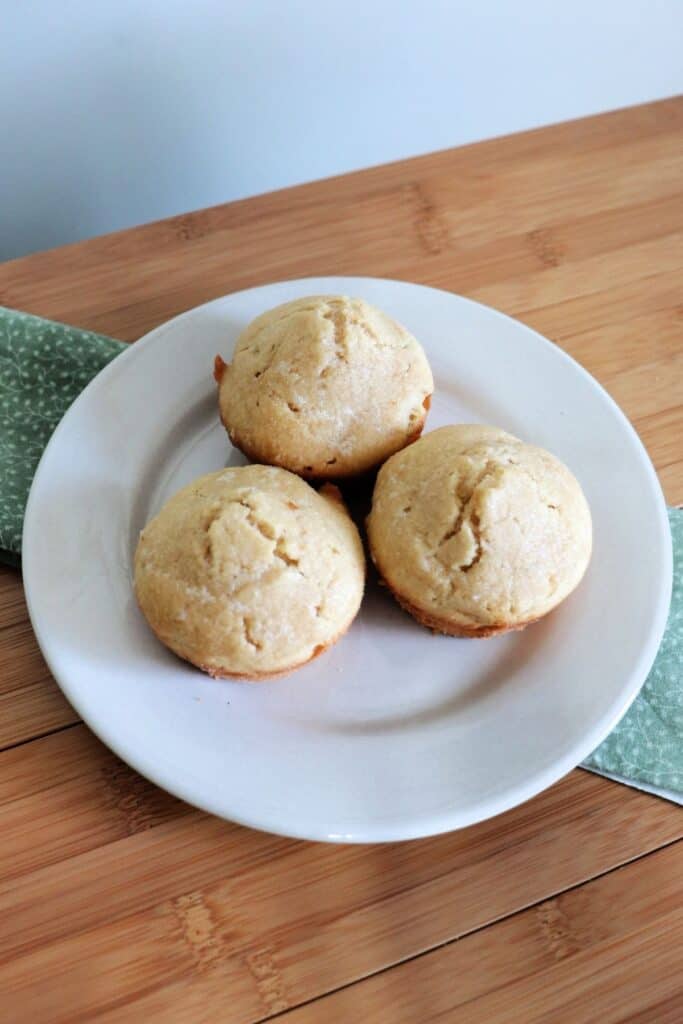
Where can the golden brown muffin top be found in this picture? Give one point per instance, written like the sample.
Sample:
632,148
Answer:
326,386
250,571
472,526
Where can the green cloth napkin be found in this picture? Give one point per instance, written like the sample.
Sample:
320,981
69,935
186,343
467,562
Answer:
45,365
646,747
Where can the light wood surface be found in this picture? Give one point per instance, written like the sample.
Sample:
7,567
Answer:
119,903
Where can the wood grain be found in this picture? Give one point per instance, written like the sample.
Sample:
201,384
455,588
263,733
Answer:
82,796
118,902
124,283
30,702
277,922
608,951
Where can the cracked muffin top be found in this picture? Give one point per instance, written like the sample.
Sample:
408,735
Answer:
250,572
476,532
325,386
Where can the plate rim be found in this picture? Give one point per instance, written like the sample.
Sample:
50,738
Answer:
445,821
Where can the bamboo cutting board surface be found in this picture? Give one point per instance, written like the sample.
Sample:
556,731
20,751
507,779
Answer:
119,903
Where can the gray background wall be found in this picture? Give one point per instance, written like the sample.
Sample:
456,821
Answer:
118,113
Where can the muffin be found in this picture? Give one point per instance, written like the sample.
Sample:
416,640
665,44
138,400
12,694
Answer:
326,386
250,572
476,533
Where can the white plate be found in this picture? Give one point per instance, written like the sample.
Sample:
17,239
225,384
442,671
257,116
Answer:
394,733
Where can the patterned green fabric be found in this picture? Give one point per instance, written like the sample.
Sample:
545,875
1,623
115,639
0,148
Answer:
43,366
647,745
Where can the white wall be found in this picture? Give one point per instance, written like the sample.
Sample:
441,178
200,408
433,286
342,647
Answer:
117,112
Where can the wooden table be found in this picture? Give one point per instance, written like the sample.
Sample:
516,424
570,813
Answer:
118,903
